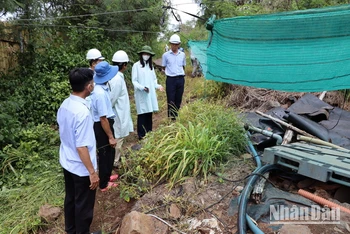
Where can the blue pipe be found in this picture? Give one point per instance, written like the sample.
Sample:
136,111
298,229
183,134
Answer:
252,226
253,151
242,211
243,216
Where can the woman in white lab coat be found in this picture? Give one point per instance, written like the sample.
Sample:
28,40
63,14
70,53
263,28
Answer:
145,84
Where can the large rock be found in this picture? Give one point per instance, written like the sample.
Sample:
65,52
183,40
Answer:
137,223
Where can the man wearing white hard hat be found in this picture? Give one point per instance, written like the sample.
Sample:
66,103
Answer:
174,62
94,56
123,124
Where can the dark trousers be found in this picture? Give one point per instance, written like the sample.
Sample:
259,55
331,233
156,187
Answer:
174,91
78,203
144,124
105,153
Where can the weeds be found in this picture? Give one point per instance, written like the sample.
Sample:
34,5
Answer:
204,136
31,177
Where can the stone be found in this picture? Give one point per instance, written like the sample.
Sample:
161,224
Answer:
137,223
246,156
49,213
174,211
291,229
160,227
189,186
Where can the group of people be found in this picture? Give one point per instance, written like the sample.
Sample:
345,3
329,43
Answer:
96,117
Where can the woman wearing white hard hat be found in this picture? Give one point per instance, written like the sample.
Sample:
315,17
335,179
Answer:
94,56
145,84
120,102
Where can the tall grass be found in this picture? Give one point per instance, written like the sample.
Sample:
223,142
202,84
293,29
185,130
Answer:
20,206
31,177
204,136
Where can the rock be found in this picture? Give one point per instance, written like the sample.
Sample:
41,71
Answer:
174,211
160,227
189,185
291,229
306,183
322,193
246,156
137,223
49,213
205,226
239,188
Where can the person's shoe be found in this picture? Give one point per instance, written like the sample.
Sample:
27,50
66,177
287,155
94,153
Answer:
109,186
136,147
113,178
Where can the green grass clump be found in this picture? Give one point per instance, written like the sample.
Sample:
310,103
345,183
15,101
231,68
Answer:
31,177
204,136
20,206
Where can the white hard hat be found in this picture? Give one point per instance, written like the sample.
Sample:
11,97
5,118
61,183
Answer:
175,39
120,57
94,54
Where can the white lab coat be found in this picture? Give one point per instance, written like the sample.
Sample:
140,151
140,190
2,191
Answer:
145,77
121,106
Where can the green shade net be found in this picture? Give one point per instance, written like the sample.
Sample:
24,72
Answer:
304,51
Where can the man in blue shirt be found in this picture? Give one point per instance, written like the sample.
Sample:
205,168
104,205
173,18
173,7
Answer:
103,116
78,153
174,62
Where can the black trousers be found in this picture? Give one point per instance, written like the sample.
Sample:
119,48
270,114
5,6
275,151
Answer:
78,203
105,153
144,124
174,91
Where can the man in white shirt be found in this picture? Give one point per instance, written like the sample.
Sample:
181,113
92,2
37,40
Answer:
78,153
174,62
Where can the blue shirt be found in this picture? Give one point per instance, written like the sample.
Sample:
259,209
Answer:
174,63
76,130
100,103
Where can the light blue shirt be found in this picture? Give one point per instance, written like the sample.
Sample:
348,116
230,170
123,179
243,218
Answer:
76,130
174,63
100,103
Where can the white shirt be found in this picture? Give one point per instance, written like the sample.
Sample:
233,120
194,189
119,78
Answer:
76,130
121,105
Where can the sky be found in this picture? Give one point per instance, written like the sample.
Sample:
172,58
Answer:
184,5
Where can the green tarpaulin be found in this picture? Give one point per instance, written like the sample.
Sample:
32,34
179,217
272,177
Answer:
292,51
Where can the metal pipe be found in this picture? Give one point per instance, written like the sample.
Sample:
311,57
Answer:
265,133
